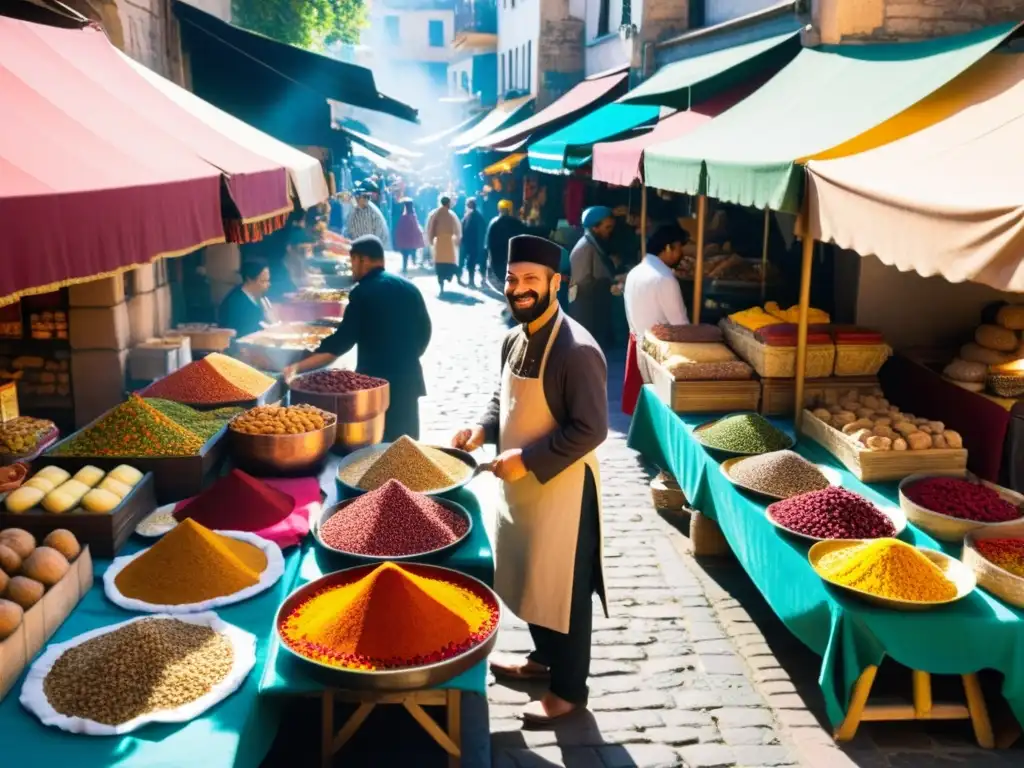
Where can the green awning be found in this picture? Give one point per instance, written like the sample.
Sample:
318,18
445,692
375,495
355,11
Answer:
691,81
570,148
751,154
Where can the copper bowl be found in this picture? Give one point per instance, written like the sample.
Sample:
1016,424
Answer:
282,454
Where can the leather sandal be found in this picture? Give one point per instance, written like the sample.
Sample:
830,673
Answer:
535,716
519,671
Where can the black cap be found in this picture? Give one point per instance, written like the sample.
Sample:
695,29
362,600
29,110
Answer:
535,250
369,246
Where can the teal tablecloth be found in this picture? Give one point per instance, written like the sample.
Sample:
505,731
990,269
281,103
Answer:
237,732
978,632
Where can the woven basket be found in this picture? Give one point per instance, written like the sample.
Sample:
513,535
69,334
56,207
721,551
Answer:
992,578
861,359
706,537
1006,384
666,493
778,362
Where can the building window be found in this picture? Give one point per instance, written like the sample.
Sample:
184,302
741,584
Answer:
501,76
511,81
435,32
515,69
529,66
604,18
698,14
465,82
391,28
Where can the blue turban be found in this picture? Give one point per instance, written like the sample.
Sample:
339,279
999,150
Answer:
595,215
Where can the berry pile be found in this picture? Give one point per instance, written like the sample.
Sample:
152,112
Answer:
961,499
832,513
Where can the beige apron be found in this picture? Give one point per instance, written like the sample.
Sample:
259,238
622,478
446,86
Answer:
538,524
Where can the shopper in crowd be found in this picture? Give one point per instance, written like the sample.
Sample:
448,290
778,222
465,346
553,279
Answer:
653,297
443,235
500,231
246,308
366,218
472,248
592,275
387,321
408,234
487,203
547,419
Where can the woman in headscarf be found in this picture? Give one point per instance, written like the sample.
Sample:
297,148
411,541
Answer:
592,275
408,234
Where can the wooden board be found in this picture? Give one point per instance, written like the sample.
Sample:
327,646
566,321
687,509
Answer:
880,466
104,533
698,396
778,396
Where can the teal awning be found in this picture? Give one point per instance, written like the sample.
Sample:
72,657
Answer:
570,148
753,154
688,82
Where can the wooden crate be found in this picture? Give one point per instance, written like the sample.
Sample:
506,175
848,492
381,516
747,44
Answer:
777,362
778,396
698,396
105,534
42,620
880,466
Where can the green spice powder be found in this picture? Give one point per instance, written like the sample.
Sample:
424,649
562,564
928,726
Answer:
744,433
132,429
206,424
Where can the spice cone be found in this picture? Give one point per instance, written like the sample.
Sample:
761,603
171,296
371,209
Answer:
238,502
404,459
216,378
133,428
191,564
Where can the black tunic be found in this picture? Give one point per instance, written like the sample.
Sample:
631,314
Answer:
240,311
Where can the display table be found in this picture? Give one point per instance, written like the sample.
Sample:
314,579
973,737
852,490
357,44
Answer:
237,733
852,637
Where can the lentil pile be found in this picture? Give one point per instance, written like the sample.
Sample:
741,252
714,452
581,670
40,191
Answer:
1008,554
237,502
191,564
780,473
148,666
133,429
962,499
744,433
215,379
334,381
392,521
832,513
888,568
393,617
206,424
281,420
418,467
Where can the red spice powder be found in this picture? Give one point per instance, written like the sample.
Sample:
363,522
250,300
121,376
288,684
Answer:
206,383
238,502
392,521
956,497
1006,553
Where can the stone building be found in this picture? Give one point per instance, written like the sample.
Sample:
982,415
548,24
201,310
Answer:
540,47
838,21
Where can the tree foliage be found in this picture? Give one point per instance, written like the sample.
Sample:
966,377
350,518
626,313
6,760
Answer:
307,23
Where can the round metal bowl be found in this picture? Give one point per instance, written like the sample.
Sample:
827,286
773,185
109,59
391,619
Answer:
697,436
336,509
353,436
287,454
374,450
350,407
946,527
408,679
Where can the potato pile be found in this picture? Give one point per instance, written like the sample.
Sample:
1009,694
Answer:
27,571
876,425
92,489
281,420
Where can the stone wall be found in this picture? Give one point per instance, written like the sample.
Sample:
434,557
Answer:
560,59
846,21
662,19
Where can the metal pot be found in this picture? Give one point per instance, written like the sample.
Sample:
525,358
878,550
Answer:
286,454
349,407
361,434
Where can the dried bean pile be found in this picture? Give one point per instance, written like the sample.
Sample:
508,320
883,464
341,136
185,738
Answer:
888,568
833,513
744,433
393,522
334,381
1008,554
148,666
780,473
962,499
418,467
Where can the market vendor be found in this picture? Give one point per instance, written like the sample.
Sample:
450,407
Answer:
593,273
653,297
246,308
387,320
547,418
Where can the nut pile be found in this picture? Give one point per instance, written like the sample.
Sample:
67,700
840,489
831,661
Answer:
281,420
877,425
780,473
23,434
393,522
418,467
334,381
832,513
148,666
744,433
956,497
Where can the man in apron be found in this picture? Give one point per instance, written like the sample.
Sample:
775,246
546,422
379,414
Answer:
547,419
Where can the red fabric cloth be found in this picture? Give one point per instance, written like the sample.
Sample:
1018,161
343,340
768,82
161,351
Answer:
572,200
633,381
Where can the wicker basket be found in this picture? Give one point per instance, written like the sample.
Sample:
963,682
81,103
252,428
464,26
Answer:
1007,384
992,578
954,529
706,537
861,359
778,362
666,493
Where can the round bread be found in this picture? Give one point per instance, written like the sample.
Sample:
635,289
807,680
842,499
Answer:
45,565
21,541
63,541
24,591
10,562
10,618
975,353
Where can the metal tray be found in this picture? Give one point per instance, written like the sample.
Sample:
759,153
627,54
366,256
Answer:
463,456
409,679
721,451
331,511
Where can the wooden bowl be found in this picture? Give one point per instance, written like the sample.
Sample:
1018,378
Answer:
833,476
944,527
993,578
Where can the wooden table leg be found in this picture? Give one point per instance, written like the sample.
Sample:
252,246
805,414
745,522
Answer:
922,682
455,725
979,712
326,728
858,701
428,724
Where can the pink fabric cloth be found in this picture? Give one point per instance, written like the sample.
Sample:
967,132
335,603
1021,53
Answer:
408,234
293,529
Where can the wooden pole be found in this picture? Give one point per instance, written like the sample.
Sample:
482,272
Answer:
643,220
698,269
801,335
764,255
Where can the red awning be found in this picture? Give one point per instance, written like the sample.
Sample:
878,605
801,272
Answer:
621,162
580,97
87,187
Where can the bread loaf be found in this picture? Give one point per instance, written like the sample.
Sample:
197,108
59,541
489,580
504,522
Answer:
961,370
996,337
1011,316
975,353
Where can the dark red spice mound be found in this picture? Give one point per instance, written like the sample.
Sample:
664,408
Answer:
238,502
336,382
832,513
956,497
392,521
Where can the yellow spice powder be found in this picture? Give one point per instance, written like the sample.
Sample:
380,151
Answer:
888,568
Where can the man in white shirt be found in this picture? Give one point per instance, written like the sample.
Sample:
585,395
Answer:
652,296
